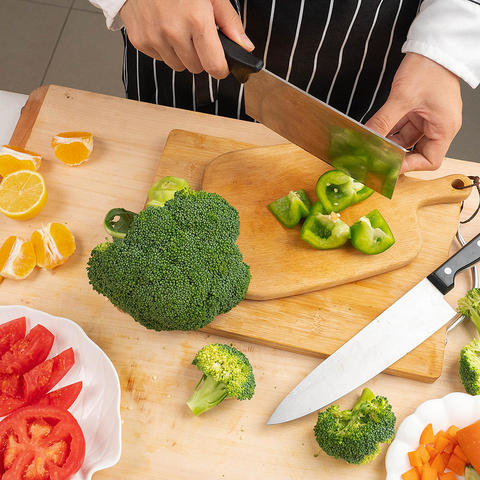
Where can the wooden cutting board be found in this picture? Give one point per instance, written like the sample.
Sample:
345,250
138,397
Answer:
281,263
318,323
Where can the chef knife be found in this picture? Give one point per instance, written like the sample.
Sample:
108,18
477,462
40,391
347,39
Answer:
413,318
313,125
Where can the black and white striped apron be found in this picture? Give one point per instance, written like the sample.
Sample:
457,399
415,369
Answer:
344,52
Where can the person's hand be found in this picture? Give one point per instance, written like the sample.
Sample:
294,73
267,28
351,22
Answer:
424,108
183,33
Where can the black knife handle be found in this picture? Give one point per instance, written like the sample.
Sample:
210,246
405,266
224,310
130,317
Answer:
444,276
240,62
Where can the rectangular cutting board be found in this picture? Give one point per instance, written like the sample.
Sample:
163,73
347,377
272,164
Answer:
281,263
318,323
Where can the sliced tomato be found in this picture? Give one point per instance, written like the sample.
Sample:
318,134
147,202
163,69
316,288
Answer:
27,352
9,404
42,378
40,443
11,332
61,398
10,385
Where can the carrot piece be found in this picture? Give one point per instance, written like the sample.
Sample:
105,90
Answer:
411,475
427,435
441,442
419,471
456,464
469,441
432,451
415,459
429,473
437,464
449,448
445,457
423,452
447,476
459,453
452,431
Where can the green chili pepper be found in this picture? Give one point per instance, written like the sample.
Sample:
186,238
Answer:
291,208
164,190
371,234
325,231
337,191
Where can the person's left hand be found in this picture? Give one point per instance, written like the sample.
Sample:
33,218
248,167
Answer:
424,109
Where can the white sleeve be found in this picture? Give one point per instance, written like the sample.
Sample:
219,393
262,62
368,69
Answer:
448,32
110,10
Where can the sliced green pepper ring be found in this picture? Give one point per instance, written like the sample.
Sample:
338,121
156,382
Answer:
290,209
325,231
371,234
164,190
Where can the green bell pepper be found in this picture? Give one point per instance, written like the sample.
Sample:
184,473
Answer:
325,231
371,234
337,191
164,190
290,209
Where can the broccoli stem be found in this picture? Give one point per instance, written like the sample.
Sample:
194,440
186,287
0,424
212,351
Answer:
367,396
207,394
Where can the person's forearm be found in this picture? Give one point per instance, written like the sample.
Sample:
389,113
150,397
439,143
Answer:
110,9
448,32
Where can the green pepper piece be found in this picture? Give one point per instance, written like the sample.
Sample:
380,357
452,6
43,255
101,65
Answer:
361,191
354,165
325,231
291,208
164,190
371,234
317,207
335,190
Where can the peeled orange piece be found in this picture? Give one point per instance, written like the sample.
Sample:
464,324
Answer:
53,245
73,148
13,159
23,194
17,258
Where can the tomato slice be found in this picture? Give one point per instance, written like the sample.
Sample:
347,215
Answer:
40,443
11,332
24,354
61,398
42,378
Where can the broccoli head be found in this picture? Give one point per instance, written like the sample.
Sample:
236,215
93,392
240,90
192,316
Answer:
227,373
178,266
356,435
470,367
469,306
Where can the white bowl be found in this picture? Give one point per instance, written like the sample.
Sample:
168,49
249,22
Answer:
97,408
457,408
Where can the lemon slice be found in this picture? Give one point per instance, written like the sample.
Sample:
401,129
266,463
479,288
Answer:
53,245
14,158
17,258
73,148
23,194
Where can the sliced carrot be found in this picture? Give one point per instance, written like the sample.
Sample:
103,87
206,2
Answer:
469,441
432,451
447,476
441,441
415,459
427,435
423,452
449,448
419,471
429,473
452,431
437,464
459,453
411,475
456,464
445,457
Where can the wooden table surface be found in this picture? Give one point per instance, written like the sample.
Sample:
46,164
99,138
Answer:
161,439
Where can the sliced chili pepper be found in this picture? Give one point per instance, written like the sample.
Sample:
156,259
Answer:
371,234
325,231
291,208
337,191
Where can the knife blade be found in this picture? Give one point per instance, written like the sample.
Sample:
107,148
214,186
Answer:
413,318
313,125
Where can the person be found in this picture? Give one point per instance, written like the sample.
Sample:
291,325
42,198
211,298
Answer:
394,65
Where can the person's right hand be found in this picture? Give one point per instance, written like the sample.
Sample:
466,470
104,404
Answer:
183,33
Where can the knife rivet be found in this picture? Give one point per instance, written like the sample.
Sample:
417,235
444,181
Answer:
448,271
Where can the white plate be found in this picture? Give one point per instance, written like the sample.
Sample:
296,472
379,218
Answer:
457,408
97,408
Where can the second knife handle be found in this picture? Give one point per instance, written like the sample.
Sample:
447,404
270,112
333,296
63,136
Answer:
240,62
444,276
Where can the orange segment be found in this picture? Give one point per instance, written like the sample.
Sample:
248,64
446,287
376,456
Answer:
53,245
23,194
13,159
73,148
17,258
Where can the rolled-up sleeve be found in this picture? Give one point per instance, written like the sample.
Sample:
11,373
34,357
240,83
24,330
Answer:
448,32
110,9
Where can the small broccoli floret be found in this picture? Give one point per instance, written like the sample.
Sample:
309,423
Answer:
178,266
356,435
470,367
227,373
469,306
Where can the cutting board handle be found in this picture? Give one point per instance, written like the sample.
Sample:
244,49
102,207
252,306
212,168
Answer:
440,190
